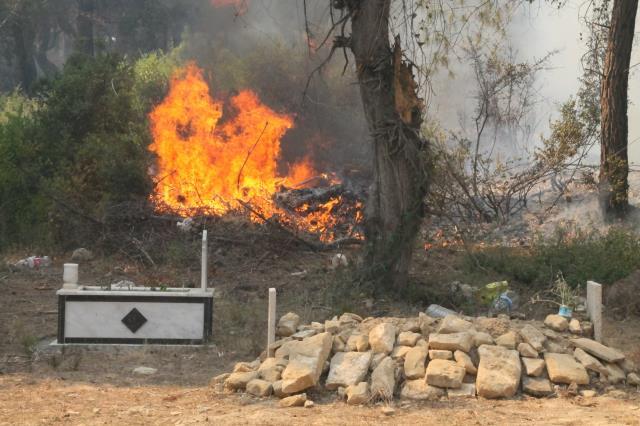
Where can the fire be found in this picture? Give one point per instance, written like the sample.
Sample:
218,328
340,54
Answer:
210,154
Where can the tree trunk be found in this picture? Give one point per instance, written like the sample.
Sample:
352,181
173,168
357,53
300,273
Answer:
24,39
84,25
393,113
614,167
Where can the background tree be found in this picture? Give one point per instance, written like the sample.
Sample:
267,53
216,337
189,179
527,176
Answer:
614,166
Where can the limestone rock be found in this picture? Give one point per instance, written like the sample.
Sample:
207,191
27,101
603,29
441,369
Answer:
454,324
466,390
288,324
414,363
358,342
629,366
357,394
277,389
533,336
499,372
615,374
408,338
482,338
332,326
293,401
508,340
633,379
338,345
270,370
309,404
145,371
588,393
349,318
388,411
464,360
575,327
533,366
303,334
348,368
411,324
423,344
536,386
382,338
243,367
526,350
400,351
81,255
444,374
421,391
563,368
589,362
239,380
451,342
383,379
598,349
306,361
426,322
219,379
556,322
375,361
440,354
258,387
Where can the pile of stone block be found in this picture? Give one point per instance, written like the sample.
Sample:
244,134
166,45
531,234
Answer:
424,358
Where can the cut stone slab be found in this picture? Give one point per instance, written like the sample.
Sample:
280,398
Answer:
598,350
348,368
258,387
466,390
556,322
454,324
526,350
563,368
499,372
508,340
303,334
288,324
408,338
383,379
306,361
419,390
357,394
533,336
533,366
615,374
382,338
239,380
482,338
451,341
332,326
414,363
464,360
440,354
536,386
589,362
444,374
293,401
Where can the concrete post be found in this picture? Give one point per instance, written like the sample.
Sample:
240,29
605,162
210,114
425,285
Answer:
271,324
203,266
594,308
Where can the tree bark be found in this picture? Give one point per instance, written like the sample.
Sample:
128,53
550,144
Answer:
24,39
614,167
393,112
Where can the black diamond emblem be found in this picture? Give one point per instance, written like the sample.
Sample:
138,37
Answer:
134,320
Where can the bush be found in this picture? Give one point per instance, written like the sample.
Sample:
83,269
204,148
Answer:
579,255
68,159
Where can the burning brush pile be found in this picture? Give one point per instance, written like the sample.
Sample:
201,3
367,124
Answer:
216,157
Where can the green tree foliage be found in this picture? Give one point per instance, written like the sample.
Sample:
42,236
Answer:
70,161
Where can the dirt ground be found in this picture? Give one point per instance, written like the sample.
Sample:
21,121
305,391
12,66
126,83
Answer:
40,384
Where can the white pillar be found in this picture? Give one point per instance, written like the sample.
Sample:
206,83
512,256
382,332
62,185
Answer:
203,266
70,276
594,308
271,324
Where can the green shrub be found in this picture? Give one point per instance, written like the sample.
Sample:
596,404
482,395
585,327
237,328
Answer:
579,255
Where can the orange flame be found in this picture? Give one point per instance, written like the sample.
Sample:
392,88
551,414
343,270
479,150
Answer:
206,163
